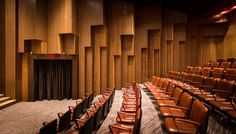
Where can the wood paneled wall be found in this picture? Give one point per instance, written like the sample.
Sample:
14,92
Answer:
210,41
114,42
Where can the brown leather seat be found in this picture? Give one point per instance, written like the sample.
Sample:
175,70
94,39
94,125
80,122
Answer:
182,76
189,69
174,98
205,89
230,74
197,80
189,78
181,110
123,128
225,65
197,70
197,121
160,89
214,64
206,64
218,72
233,65
206,71
223,91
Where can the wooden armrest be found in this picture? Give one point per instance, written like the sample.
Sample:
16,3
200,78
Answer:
78,101
45,123
206,86
60,114
188,121
71,107
222,91
178,107
119,127
171,98
233,97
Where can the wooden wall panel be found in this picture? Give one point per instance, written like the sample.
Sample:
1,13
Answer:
25,78
131,70
117,66
146,18
119,23
2,46
32,21
89,70
173,31
90,13
103,66
99,58
10,47
229,49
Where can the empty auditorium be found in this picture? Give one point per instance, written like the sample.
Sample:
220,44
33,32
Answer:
117,67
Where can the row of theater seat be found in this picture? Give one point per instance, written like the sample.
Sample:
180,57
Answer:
223,64
129,118
175,105
219,95
84,116
220,73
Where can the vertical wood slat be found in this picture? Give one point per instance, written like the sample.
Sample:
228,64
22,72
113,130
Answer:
10,48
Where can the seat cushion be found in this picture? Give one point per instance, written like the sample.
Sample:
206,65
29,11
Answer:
161,103
179,126
172,112
117,128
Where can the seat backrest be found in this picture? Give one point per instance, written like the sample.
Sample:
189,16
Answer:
189,69
90,99
230,74
86,128
49,128
185,101
165,85
199,113
77,111
170,89
206,64
214,64
220,60
210,83
218,72
160,82
189,78
224,86
183,76
137,124
232,60
233,65
64,121
84,104
225,65
197,70
198,80
153,79
206,71
177,93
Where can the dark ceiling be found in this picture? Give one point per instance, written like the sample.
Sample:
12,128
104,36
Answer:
192,7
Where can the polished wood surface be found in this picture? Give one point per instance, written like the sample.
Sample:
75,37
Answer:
113,42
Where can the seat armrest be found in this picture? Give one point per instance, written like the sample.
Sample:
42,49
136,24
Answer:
71,107
222,91
178,107
188,121
60,114
118,127
205,86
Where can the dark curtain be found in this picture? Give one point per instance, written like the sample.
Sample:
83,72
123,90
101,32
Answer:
52,79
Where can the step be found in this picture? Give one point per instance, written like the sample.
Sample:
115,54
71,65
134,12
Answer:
1,95
4,99
7,103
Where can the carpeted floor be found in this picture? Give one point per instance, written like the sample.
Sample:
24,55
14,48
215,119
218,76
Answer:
27,117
